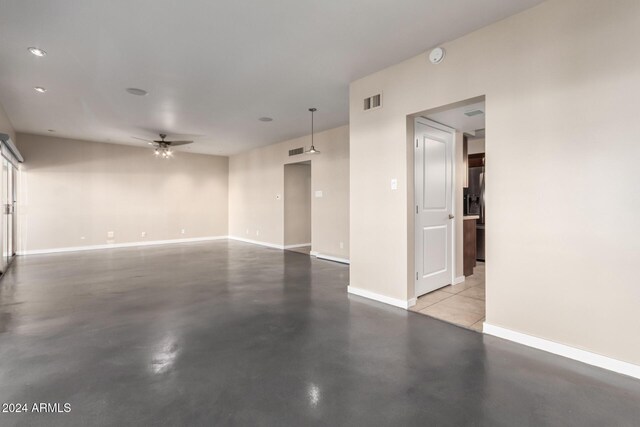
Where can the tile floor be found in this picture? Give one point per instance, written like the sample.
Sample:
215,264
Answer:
462,304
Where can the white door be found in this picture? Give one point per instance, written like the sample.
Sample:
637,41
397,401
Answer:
434,206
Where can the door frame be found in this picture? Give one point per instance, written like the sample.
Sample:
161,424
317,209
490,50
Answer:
284,198
453,246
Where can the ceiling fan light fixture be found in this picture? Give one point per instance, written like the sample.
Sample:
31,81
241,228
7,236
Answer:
162,147
164,152
312,150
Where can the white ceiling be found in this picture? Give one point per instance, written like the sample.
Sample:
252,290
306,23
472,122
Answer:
212,67
457,119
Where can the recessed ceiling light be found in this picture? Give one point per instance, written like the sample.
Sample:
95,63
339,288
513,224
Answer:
37,52
265,119
40,89
136,91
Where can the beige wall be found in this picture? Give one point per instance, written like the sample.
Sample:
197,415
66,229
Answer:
5,124
256,179
561,85
74,192
476,146
297,204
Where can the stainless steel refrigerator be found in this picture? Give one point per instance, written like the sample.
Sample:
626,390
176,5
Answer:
475,205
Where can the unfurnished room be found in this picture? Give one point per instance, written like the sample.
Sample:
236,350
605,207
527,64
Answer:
340,213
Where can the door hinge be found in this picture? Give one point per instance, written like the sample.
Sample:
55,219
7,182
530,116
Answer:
416,275
416,143
417,209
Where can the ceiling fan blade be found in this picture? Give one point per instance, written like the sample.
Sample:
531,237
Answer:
145,140
176,143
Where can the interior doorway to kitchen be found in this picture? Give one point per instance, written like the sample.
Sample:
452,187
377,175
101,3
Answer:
450,213
297,207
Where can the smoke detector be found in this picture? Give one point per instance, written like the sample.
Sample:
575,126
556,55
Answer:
437,55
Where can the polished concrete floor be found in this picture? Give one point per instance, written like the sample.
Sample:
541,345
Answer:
226,333
301,250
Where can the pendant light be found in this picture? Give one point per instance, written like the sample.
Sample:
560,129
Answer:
312,150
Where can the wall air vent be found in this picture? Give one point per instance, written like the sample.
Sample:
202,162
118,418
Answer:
372,102
473,113
296,151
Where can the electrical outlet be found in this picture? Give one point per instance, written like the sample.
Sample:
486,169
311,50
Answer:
257,232
143,234
394,184
110,234
341,245
182,231
319,194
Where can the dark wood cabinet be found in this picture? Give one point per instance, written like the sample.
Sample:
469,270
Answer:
475,160
469,253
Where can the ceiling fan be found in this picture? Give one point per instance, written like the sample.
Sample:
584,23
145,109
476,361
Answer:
162,146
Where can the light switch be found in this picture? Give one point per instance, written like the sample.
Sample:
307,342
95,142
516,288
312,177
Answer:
394,184
318,193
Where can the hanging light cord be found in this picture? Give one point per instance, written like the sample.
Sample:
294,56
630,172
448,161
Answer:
312,150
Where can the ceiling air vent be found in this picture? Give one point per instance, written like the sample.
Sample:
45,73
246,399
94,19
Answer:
372,102
473,113
296,151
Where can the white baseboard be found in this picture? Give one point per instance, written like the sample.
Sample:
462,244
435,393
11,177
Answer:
257,242
332,258
118,245
299,245
583,356
381,298
458,280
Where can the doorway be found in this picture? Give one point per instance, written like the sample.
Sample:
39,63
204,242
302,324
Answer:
297,207
449,169
8,186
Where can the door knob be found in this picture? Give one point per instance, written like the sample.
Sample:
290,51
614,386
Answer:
451,216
